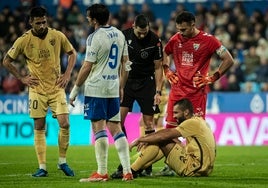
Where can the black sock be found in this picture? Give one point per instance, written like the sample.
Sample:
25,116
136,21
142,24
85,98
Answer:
136,173
149,169
148,132
120,168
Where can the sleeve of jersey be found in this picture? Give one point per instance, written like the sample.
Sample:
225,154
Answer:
66,45
214,44
91,49
188,127
16,49
125,52
159,50
168,47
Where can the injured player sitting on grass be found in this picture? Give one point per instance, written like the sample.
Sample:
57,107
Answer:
194,158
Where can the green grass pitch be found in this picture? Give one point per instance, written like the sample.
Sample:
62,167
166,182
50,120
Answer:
245,166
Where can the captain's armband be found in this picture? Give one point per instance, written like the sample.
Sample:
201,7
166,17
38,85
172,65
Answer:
221,50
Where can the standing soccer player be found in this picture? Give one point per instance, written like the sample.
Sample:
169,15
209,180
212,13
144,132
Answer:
191,50
145,79
106,56
42,48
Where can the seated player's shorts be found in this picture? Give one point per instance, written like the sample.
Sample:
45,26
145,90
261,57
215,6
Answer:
102,108
182,164
39,103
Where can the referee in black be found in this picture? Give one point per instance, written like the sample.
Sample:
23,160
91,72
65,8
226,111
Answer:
145,77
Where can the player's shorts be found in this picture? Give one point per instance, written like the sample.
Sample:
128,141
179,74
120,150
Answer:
141,90
182,164
39,104
102,108
199,104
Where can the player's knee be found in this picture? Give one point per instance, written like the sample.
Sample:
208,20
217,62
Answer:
65,125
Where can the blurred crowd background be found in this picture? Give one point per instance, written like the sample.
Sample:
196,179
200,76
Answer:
243,32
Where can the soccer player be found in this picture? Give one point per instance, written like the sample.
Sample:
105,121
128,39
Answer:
191,50
195,158
145,77
42,47
106,56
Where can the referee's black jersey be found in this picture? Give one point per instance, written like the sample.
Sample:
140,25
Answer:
142,53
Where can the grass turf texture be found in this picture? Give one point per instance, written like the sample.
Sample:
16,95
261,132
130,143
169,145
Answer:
235,166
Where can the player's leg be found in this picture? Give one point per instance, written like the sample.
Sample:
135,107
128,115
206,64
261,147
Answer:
120,140
145,99
148,128
199,104
175,157
159,117
40,146
123,113
38,109
121,145
170,121
59,108
98,118
63,143
148,155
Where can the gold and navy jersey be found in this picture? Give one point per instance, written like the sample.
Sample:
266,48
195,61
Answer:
142,53
200,142
42,57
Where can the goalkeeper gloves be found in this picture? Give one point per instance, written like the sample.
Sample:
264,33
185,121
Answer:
201,80
170,75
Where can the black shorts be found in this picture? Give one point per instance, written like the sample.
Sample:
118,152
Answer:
141,90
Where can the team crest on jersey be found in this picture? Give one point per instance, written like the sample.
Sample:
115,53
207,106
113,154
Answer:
52,42
144,55
196,46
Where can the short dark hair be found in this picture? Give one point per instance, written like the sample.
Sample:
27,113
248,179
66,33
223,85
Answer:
37,12
185,16
141,21
100,12
185,104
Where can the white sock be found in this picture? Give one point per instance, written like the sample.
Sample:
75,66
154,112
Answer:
62,160
43,166
101,151
121,145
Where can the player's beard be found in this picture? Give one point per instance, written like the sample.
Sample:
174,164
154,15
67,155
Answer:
41,33
180,120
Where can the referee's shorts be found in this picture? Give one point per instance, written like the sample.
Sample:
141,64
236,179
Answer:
141,90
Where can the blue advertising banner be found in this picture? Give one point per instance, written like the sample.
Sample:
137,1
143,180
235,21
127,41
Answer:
237,102
19,130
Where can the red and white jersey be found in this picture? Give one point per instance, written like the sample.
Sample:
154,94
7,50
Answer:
191,55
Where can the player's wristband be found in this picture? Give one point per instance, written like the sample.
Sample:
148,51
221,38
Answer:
74,92
165,67
216,75
159,92
128,66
